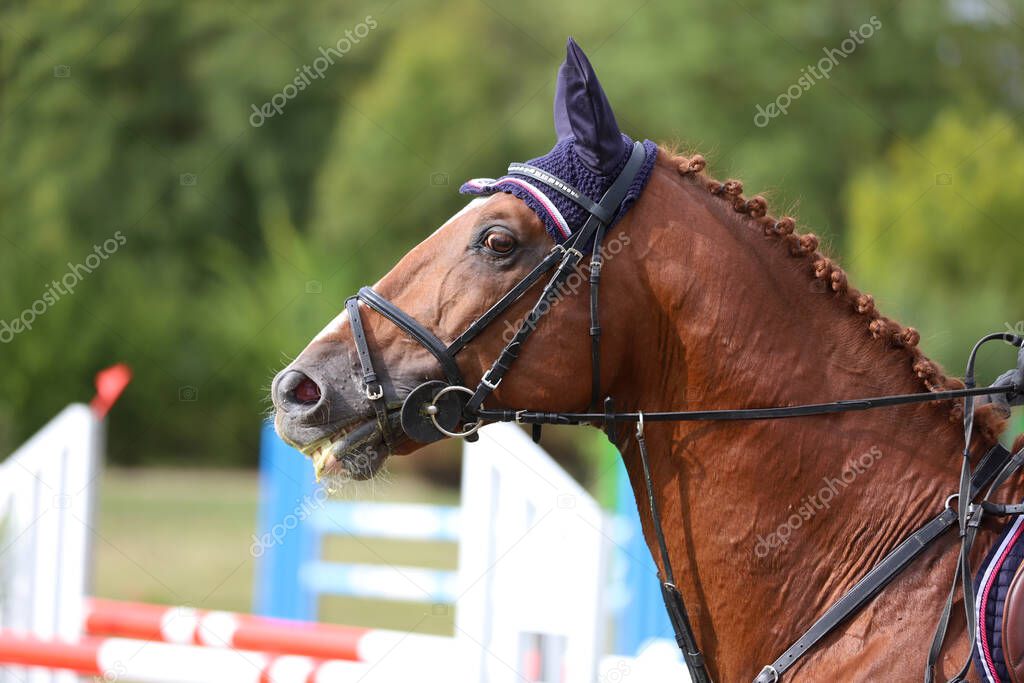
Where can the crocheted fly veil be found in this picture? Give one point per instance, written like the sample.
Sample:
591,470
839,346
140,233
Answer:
589,154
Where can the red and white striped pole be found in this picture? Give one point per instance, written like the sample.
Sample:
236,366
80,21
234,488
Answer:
21,650
187,626
115,659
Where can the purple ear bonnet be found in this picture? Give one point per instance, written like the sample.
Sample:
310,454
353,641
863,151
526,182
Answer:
589,155
561,215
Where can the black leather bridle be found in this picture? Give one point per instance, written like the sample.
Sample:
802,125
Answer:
436,409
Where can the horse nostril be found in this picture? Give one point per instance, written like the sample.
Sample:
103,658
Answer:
307,391
296,388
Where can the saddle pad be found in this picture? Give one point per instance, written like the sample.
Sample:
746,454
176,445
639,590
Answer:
992,585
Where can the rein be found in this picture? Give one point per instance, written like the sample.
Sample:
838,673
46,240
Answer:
436,409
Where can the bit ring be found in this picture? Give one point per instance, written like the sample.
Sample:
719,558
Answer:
471,430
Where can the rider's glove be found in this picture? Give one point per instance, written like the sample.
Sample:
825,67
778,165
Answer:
1010,378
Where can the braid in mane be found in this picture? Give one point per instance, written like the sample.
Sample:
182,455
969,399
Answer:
990,420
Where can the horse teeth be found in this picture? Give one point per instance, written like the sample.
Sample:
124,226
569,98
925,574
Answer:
321,454
320,458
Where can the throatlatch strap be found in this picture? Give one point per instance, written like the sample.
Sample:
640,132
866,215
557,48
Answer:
674,605
596,261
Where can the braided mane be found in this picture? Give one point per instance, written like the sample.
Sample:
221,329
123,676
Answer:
990,420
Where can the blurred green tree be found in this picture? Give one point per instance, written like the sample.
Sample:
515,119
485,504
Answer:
934,233
243,238
136,118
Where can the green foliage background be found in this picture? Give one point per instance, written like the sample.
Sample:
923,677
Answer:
106,107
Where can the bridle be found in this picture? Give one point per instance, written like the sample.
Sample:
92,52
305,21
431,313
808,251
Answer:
436,409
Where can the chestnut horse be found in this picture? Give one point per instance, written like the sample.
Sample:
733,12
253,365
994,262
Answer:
707,302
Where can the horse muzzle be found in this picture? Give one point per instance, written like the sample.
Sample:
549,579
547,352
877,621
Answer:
433,410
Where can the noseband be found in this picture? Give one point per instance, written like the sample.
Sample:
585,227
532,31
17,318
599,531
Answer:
436,409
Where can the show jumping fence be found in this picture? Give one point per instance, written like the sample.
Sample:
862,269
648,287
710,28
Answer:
120,659
533,546
295,520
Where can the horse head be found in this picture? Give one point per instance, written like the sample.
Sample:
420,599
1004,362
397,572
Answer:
324,404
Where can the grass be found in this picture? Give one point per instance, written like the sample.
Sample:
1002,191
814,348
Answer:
182,537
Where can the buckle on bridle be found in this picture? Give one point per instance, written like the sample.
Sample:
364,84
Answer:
374,394
573,250
485,380
769,670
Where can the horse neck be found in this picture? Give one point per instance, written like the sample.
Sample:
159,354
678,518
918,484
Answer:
770,517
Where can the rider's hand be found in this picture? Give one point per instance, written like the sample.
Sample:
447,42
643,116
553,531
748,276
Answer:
1014,378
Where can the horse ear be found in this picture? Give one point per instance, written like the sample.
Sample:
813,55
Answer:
582,112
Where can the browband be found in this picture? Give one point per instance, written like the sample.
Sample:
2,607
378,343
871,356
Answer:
603,213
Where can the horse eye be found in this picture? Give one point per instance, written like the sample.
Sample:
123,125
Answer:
499,242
